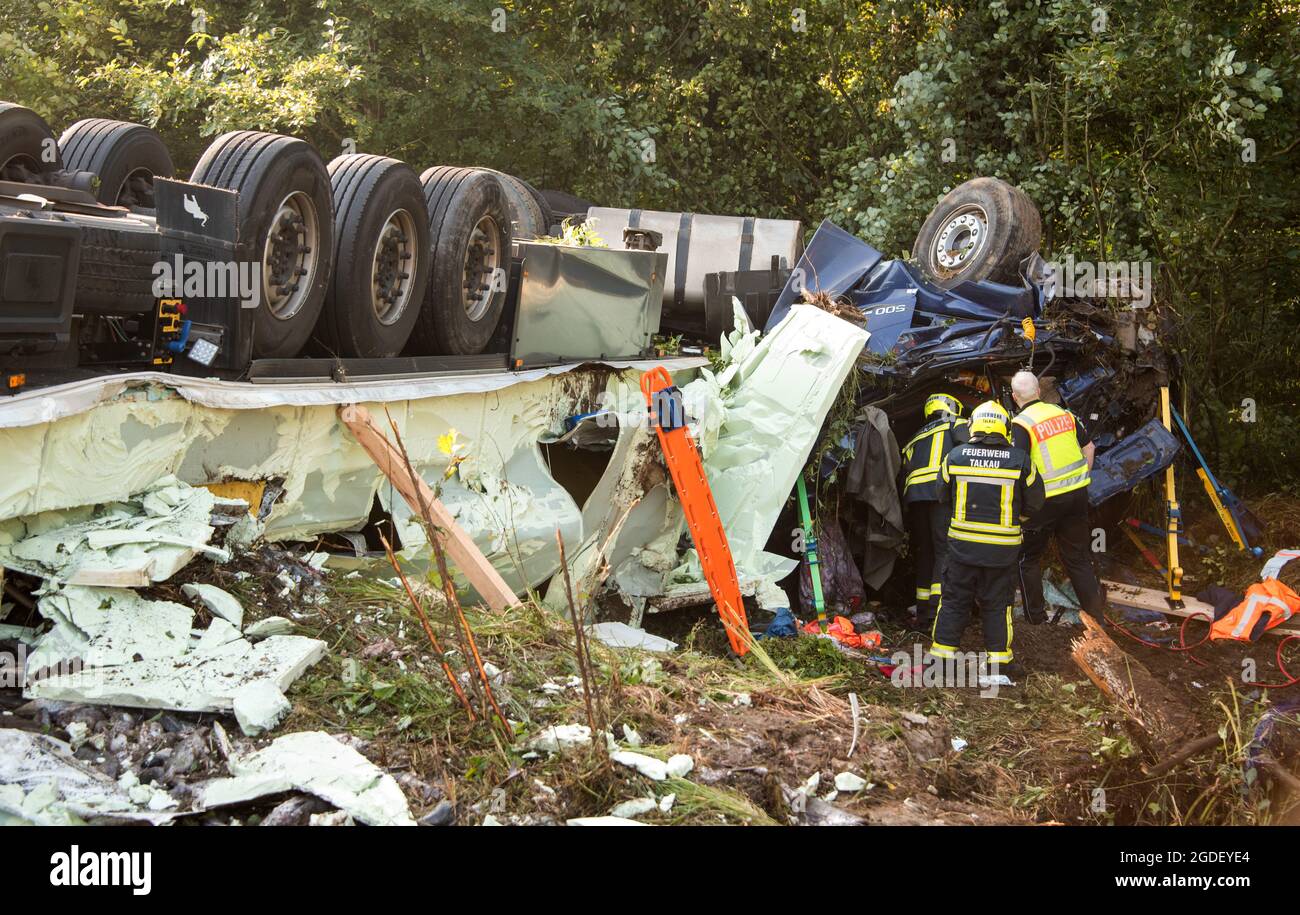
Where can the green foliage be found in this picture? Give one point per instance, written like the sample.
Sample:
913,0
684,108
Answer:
1160,132
580,235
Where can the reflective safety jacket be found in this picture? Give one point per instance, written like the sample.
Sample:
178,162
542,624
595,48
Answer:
1054,444
988,485
1268,603
923,455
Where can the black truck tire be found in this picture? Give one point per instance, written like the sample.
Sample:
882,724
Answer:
381,257
125,156
530,214
563,204
469,235
979,230
285,223
27,145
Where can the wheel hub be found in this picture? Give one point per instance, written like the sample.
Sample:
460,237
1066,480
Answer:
289,257
483,258
959,240
393,267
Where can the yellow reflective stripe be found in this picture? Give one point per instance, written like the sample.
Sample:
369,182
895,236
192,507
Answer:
936,589
999,473
999,657
985,538
943,651
959,501
1008,496
916,439
986,526
923,475
1056,487
922,594
936,446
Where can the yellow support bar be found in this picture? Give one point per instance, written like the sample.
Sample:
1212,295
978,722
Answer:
1173,515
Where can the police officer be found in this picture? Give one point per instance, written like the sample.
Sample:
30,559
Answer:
988,485
1062,452
927,525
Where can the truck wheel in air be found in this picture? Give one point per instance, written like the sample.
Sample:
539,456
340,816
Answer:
469,236
381,257
979,230
285,223
28,149
530,214
125,156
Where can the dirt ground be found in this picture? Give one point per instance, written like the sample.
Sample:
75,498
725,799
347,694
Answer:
767,738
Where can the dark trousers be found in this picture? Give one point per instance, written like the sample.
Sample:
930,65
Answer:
927,525
965,587
1064,517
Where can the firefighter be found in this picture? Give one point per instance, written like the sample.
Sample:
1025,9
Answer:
927,525
1062,452
989,486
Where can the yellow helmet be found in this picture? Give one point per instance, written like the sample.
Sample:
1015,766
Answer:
942,403
990,419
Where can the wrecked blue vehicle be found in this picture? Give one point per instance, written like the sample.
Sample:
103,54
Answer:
979,304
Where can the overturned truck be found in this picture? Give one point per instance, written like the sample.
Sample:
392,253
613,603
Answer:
208,330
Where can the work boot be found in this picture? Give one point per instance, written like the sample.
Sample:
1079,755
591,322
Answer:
1012,670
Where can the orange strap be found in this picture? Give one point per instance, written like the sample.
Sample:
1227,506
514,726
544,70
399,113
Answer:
683,459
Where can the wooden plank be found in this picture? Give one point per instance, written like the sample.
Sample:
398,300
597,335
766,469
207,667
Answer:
139,577
1150,599
459,546
1159,720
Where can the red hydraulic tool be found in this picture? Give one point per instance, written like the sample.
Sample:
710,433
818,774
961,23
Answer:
664,401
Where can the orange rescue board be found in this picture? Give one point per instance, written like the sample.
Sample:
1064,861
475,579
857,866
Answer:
663,401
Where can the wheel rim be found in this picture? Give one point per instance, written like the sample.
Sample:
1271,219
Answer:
289,257
960,239
20,167
482,261
393,267
136,190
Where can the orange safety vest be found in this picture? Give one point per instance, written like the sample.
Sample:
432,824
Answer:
1269,597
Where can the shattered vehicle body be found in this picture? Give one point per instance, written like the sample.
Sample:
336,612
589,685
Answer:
106,440
969,339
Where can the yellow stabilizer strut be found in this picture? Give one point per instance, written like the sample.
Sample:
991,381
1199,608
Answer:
1224,515
1173,515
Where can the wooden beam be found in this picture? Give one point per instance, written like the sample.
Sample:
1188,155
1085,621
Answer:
459,546
1149,599
1158,718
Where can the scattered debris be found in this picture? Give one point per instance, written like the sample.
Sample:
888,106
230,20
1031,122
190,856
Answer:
44,783
651,768
314,762
621,635
108,626
198,681
848,781
634,808
220,603
115,544
562,737
260,706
